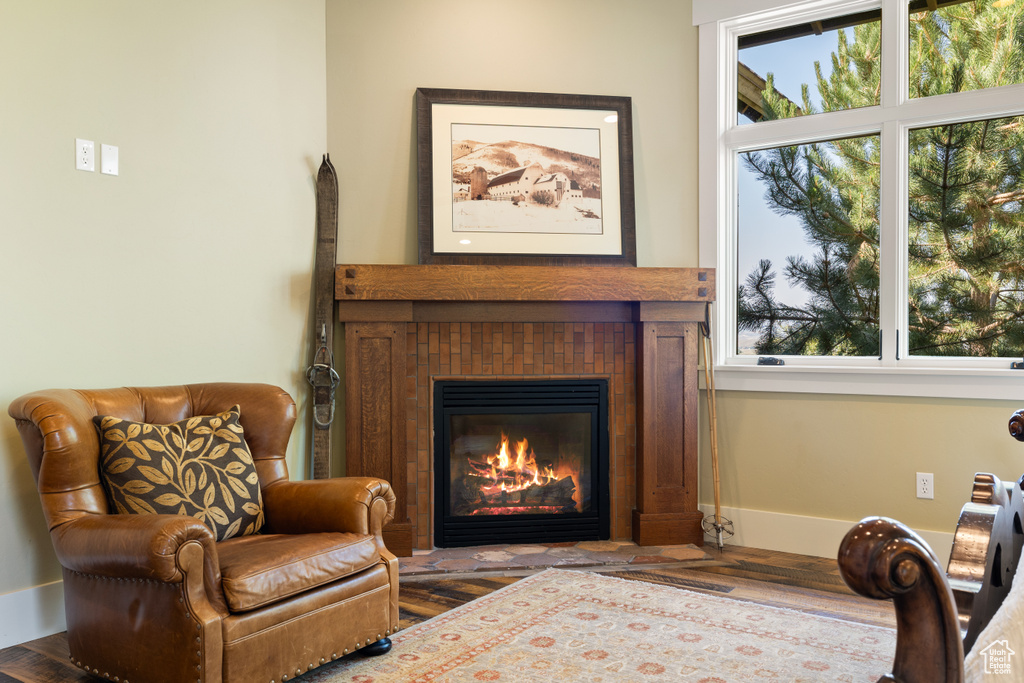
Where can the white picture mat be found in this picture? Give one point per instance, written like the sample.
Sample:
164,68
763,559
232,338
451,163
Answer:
446,240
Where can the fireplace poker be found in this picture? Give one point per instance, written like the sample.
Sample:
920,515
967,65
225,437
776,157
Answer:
717,526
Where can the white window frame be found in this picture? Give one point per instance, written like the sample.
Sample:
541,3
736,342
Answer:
719,24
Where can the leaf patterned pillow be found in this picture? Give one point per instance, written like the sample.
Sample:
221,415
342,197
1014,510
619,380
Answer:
199,467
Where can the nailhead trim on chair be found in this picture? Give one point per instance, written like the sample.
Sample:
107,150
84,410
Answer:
334,656
95,577
88,670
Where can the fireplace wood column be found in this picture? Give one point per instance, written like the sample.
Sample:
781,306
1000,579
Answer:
375,416
666,501
381,306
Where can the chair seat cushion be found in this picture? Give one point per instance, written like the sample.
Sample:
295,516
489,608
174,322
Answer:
260,570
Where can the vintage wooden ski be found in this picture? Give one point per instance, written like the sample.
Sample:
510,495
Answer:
321,373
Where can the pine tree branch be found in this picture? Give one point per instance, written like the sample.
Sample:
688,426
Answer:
1006,197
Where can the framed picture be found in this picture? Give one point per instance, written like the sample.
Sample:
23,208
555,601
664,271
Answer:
524,178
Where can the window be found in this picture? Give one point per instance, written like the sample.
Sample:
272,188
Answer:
780,62
808,286
966,239
862,193
961,45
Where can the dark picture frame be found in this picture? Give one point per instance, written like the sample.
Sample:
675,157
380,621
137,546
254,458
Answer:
524,178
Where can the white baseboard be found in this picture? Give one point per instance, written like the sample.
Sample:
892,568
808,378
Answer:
32,613
814,536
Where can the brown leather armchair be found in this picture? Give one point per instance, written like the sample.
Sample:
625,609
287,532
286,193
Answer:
156,598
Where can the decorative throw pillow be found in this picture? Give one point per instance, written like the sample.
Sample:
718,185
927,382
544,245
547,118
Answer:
199,467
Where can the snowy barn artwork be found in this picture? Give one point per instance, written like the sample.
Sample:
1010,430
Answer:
526,179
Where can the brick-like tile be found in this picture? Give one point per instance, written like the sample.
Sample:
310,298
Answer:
599,546
577,562
535,560
611,558
455,553
499,565
526,549
462,565
416,570
687,552
651,559
522,350
493,556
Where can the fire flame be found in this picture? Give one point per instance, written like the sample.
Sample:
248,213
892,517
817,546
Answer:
523,468
510,480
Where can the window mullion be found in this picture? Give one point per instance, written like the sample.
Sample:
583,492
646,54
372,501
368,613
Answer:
716,104
892,242
848,123
895,67
893,183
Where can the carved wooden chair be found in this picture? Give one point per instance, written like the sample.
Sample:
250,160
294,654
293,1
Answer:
939,615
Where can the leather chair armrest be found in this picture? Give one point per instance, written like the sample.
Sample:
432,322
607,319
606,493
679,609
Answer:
353,504
132,546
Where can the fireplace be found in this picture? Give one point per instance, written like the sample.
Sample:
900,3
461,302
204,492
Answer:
521,461
408,327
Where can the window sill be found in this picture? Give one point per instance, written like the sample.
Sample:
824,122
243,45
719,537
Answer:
993,384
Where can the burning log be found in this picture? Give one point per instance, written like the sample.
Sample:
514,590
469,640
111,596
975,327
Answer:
552,494
512,479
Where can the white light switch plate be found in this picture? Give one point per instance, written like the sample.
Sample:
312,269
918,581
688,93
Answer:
108,159
85,155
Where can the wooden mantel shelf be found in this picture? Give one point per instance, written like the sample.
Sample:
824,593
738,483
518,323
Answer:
522,283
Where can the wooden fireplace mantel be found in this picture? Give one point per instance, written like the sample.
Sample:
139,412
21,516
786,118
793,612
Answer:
378,303
521,283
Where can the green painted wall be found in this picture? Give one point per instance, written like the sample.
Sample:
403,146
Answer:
847,457
194,263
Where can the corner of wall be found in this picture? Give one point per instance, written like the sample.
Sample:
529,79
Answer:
32,613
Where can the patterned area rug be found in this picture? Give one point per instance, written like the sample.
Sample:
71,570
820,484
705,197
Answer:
565,625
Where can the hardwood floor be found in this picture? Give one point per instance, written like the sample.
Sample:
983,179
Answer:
793,581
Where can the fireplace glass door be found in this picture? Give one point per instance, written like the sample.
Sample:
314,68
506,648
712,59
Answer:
521,462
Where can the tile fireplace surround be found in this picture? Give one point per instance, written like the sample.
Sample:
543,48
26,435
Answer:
408,326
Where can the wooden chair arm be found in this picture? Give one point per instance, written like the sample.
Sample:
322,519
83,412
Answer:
883,559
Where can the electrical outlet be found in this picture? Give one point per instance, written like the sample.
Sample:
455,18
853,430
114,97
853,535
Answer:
85,155
925,485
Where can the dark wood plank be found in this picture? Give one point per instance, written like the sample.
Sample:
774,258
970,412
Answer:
820,602
791,576
26,665
424,599
55,647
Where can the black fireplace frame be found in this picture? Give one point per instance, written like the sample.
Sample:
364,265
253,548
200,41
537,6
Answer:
490,397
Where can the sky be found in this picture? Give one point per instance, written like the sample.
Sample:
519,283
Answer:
762,233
